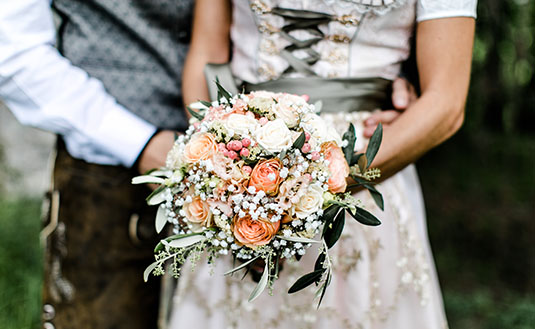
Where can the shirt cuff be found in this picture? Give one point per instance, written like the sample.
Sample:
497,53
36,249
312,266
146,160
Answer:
123,135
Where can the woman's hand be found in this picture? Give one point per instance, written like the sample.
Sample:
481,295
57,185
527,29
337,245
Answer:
403,95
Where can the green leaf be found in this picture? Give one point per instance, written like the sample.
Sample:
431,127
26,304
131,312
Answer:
333,233
376,195
351,138
324,287
205,103
362,162
306,280
300,141
365,217
161,219
222,92
262,284
149,270
355,159
242,265
160,245
187,241
328,216
373,145
195,114
319,261
156,197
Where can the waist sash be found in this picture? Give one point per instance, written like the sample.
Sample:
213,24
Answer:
336,95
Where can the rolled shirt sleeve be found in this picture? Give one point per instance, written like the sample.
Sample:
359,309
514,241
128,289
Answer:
43,89
433,9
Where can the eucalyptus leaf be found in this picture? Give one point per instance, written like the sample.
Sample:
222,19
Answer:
297,239
365,217
362,162
319,261
377,197
147,179
161,219
328,216
156,197
306,280
187,241
355,159
351,138
195,114
205,103
242,265
299,142
164,173
262,284
333,233
221,91
373,145
149,270
324,287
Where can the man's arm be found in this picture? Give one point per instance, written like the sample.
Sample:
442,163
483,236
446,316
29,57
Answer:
44,90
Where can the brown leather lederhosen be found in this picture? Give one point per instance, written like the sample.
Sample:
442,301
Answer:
99,237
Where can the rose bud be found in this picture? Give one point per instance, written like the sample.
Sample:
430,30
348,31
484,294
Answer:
306,148
246,142
244,152
307,136
232,155
247,169
315,156
234,145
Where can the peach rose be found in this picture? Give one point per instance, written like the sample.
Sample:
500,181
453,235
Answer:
266,176
253,233
202,146
197,211
337,166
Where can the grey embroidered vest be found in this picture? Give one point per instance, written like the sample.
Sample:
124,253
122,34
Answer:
136,48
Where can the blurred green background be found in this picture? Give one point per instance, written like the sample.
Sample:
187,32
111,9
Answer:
479,189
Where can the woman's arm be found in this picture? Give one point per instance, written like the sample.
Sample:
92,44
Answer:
210,43
444,54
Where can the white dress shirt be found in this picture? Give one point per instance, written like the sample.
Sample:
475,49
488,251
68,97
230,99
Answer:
44,90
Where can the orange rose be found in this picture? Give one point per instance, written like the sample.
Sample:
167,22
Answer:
202,146
337,166
253,233
198,211
266,176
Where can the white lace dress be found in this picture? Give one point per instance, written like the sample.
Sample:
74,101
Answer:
384,276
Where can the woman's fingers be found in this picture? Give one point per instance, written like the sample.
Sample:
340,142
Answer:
401,93
384,117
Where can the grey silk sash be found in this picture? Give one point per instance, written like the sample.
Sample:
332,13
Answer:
336,95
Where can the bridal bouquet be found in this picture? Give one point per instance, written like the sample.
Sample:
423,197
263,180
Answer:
260,176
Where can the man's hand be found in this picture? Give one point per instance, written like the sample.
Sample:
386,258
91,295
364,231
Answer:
155,153
403,94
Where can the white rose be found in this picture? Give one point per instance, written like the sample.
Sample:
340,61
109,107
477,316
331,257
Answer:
274,136
320,131
241,124
309,203
284,110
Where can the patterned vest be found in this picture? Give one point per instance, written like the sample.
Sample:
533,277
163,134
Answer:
136,48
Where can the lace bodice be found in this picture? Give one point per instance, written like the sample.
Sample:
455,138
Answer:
362,38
